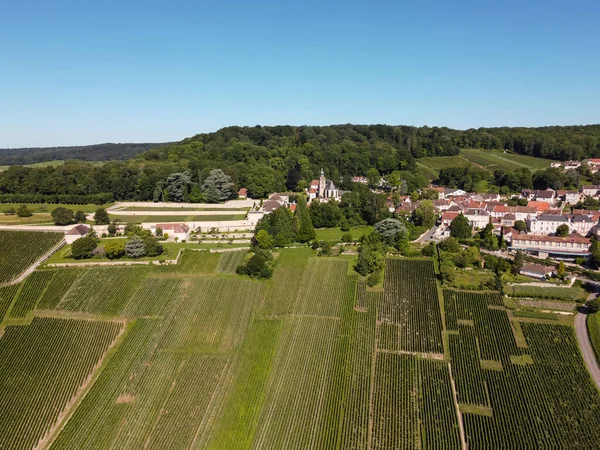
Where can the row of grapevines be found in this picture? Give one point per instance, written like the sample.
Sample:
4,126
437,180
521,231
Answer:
492,326
103,290
190,409
325,288
153,297
95,422
302,404
411,306
229,261
214,312
20,249
60,284
466,368
283,287
33,289
7,293
355,431
42,366
238,419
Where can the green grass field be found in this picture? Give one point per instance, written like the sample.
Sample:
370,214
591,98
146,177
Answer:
171,219
53,163
593,324
335,234
151,207
194,356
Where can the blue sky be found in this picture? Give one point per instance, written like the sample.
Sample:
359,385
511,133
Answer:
81,72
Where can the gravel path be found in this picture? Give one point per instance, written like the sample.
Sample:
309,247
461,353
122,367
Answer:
587,350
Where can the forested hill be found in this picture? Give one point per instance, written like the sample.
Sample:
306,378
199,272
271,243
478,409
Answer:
270,159
555,142
98,152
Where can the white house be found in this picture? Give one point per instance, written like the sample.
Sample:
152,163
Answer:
78,231
478,218
590,190
175,230
582,224
547,223
571,165
573,245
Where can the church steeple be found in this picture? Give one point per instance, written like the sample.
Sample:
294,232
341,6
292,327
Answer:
322,184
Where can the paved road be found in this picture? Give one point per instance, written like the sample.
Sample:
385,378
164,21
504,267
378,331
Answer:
31,268
587,350
427,235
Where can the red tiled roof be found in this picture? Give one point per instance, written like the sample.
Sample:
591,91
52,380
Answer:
173,227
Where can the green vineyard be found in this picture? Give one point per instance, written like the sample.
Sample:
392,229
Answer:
20,249
194,356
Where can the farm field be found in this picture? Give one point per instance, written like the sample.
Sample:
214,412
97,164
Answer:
20,249
495,159
488,160
194,356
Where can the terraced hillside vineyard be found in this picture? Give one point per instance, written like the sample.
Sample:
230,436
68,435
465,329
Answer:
194,356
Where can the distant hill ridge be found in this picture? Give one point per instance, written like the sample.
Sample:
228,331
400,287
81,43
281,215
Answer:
97,152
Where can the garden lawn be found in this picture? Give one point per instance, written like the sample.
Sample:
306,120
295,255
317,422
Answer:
593,324
335,234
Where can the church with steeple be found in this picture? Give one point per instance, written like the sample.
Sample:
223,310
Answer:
324,189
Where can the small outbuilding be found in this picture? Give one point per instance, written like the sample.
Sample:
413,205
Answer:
537,271
78,231
243,193
175,230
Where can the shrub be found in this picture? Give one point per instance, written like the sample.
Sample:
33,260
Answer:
83,247
114,250
374,278
153,248
450,245
256,267
112,229
593,306
23,211
347,237
428,250
10,211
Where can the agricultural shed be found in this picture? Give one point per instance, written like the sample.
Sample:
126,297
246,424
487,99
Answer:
75,233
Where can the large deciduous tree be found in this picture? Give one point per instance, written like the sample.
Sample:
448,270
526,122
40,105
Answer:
460,227
62,216
83,247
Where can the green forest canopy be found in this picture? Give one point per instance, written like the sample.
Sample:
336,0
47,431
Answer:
268,159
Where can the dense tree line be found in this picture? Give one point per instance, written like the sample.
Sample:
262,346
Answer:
269,159
98,152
